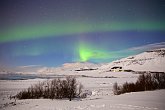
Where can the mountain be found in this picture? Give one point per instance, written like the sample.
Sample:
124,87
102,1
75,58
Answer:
152,60
69,67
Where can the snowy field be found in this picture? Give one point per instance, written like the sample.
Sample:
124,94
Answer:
100,95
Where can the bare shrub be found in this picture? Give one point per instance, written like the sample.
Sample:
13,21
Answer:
145,82
54,89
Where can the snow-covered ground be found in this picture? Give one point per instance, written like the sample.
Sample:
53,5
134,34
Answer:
100,95
153,60
150,100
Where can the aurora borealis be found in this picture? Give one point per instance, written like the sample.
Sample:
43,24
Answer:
53,32
86,52
59,29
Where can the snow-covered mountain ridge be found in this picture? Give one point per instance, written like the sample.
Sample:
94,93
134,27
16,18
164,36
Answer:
69,67
153,60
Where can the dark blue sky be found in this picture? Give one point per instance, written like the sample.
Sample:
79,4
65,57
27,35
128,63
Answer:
53,32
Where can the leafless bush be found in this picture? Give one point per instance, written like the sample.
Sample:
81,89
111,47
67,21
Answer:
54,89
145,82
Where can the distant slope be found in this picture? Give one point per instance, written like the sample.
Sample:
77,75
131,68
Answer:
153,60
69,67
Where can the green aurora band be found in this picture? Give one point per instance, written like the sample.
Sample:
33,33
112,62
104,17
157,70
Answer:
87,52
19,33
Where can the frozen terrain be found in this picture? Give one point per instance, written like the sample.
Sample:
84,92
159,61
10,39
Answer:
153,60
100,96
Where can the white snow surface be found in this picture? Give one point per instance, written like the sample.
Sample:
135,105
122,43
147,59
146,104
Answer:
68,67
100,96
147,61
148,100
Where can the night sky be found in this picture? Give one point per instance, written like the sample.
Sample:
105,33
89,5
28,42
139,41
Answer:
53,32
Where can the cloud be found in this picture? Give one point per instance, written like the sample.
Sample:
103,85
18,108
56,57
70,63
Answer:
148,47
30,66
